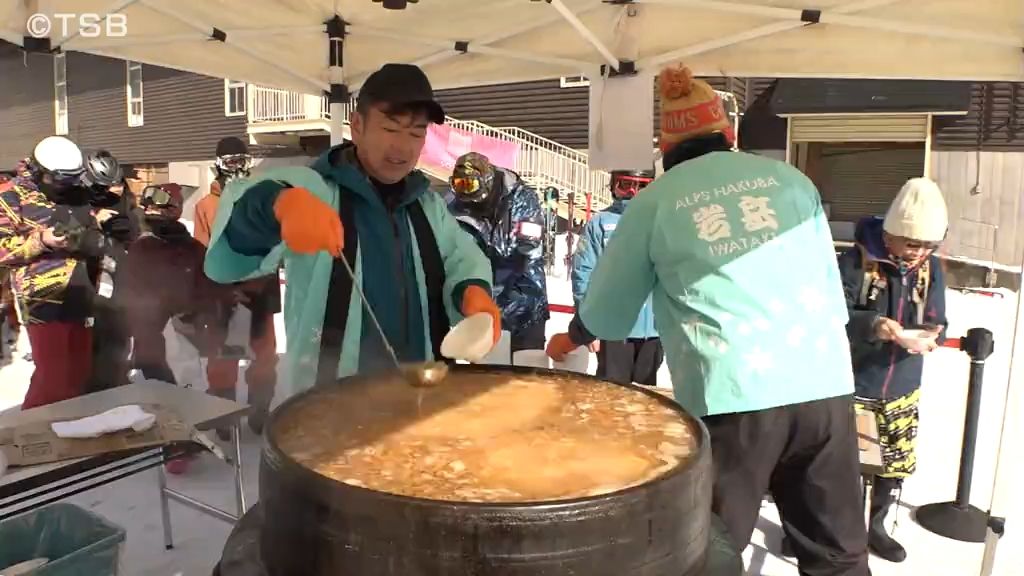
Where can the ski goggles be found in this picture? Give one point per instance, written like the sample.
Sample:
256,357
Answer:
630,185
157,196
65,178
234,162
464,185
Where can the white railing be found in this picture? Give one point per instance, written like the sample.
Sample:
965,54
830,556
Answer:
266,105
543,162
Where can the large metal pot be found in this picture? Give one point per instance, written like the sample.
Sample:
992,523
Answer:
317,526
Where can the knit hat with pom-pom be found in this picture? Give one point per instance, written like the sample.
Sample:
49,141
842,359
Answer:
689,107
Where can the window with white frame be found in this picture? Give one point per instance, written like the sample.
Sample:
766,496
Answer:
134,93
574,81
60,94
234,98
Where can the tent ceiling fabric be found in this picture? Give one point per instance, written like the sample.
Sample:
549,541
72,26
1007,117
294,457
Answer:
283,42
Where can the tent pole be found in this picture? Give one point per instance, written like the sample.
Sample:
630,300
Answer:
752,34
789,140
928,149
80,44
503,35
142,60
339,95
718,43
585,32
836,17
77,44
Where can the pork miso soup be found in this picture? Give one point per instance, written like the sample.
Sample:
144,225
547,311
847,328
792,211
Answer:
487,437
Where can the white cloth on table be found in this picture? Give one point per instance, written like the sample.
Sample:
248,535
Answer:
114,420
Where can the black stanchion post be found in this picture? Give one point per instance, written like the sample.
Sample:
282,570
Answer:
958,519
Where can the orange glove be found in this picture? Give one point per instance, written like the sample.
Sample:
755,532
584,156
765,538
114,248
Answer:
308,224
559,346
476,300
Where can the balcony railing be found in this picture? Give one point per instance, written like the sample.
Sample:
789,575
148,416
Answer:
271,105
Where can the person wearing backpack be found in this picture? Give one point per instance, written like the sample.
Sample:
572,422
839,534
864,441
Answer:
894,281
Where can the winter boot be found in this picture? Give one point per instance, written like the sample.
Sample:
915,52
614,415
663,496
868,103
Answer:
259,401
879,541
224,434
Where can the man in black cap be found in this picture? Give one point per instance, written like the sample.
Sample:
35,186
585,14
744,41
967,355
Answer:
363,201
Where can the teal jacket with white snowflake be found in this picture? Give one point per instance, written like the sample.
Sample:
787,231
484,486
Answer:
737,253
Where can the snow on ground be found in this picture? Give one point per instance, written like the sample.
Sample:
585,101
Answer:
942,412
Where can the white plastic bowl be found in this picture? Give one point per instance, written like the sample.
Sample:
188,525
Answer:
501,354
576,361
916,340
470,339
531,358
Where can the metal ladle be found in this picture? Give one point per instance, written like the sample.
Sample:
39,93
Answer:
417,374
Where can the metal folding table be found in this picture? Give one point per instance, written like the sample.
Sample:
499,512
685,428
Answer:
23,489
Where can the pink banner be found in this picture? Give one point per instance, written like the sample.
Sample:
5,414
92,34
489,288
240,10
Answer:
445,144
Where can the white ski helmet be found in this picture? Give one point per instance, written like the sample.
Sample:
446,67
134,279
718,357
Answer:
59,157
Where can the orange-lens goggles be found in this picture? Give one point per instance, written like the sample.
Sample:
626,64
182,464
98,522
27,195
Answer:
631,184
464,185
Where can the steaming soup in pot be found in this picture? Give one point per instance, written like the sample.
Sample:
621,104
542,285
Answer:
481,437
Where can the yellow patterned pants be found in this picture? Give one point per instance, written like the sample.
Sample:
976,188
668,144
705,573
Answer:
897,431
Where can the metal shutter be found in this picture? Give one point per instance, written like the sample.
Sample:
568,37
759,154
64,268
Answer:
860,128
994,123
859,182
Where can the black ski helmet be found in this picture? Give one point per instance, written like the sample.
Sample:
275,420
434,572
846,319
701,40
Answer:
626,184
102,170
233,159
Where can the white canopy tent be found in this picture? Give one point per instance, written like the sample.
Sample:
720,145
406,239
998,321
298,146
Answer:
332,45
284,43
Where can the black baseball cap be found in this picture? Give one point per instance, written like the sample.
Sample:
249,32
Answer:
402,84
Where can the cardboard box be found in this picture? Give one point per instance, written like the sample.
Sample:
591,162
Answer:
36,443
867,439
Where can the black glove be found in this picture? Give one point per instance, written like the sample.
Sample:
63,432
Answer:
81,240
119,228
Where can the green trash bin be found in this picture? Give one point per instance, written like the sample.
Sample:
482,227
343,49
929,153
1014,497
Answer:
76,541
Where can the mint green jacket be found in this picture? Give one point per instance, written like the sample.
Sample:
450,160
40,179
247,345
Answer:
308,276
747,296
